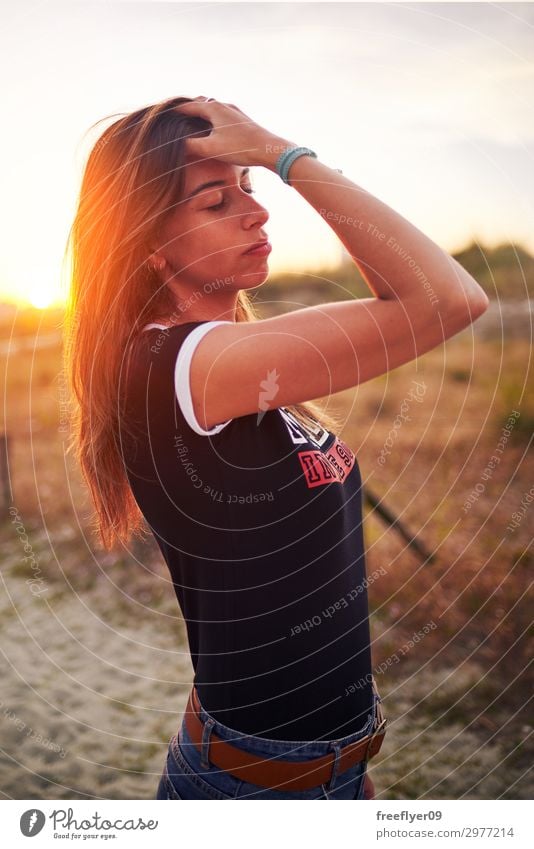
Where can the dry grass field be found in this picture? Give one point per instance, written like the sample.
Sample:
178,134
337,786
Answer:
94,663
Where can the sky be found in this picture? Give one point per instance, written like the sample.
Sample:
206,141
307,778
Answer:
426,105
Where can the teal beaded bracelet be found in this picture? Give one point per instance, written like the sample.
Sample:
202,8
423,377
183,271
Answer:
287,158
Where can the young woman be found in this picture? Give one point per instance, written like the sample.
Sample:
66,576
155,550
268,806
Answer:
196,417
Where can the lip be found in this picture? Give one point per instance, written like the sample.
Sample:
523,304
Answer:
261,248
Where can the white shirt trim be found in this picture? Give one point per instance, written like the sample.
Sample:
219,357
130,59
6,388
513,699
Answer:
182,377
153,324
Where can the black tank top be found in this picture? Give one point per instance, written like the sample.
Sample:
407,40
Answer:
259,520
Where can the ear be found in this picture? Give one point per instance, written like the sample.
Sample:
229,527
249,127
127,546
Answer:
156,261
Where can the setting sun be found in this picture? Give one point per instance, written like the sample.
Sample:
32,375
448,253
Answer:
35,285
42,297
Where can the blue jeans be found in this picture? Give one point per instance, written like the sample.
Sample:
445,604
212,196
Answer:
187,776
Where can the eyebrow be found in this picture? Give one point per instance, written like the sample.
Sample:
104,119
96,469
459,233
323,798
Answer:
211,184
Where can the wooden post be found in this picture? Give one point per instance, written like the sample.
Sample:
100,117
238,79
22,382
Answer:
389,517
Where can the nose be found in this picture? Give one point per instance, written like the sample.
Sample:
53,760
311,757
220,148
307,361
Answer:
255,214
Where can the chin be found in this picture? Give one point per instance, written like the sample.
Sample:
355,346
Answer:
253,279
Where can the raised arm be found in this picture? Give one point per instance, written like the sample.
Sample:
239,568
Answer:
395,258
422,296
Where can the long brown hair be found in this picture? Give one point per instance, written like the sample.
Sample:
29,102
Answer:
133,175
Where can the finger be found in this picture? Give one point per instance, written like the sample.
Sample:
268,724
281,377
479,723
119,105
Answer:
197,147
201,99
196,107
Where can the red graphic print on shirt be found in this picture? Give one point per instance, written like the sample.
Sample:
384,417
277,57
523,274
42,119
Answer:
322,467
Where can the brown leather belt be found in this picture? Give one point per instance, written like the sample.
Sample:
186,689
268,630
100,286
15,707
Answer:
288,775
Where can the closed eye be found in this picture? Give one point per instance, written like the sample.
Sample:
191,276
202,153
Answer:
222,203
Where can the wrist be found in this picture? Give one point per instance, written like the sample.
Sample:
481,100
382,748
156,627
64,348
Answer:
271,149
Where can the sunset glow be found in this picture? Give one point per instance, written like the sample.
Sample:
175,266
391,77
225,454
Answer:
426,107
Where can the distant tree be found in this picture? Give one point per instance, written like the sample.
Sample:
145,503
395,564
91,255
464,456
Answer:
505,271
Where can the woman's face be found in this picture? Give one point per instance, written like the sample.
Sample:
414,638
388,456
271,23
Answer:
207,233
